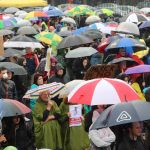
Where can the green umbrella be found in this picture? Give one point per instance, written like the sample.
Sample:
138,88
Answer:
106,11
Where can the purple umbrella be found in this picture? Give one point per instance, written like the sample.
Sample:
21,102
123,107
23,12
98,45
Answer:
138,69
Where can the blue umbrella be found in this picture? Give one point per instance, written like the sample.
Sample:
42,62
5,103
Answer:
81,30
127,43
145,24
54,12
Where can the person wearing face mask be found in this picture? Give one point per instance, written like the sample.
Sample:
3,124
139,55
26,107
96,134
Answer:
7,87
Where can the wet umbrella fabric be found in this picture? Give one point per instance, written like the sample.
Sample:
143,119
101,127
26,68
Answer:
74,40
13,52
10,108
121,59
17,69
6,32
123,113
145,24
27,30
138,69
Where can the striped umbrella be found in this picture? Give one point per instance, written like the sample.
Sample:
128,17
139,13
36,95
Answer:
8,23
102,91
35,14
53,88
49,38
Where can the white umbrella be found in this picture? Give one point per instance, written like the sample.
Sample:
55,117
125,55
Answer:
18,44
92,19
81,52
22,23
68,20
145,10
11,10
22,15
20,12
128,28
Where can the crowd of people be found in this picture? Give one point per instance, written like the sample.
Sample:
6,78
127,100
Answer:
47,126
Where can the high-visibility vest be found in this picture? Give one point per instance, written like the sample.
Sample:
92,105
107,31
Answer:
44,26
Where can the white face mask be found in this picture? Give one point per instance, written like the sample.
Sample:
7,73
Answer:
5,76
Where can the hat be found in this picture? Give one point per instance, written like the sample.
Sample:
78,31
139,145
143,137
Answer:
59,66
10,148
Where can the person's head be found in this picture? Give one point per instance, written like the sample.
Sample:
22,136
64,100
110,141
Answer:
101,108
53,61
44,96
122,51
22,61
59,69
10,74
3,73
38,79
28,50
51,29
135,130
85,62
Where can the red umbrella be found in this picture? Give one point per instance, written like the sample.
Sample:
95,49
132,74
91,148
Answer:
10,108
102,91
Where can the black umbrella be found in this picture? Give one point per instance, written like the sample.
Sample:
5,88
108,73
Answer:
74,40
118,60
17,69
13,52
27,30
23,38
93,34
64,33
123,113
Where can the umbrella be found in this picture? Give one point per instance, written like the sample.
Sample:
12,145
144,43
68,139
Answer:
81,52
8,23
69,87
138,69
53,88
134,18
22,23
145,24
54,12
113,91
106,11
49,38
9,108
121,59
22,41
5,32
141,54
123,113
93,34
13,52
81,30
20,12
68,20
125,43
92,19
11,10
103,44
128,28
64,33
145,10
35,14
74,40
17,69
97,26
27,30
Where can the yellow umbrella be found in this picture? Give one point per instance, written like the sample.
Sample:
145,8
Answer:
141,54
21,3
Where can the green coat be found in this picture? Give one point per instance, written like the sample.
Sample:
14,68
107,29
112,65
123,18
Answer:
47,135
74,138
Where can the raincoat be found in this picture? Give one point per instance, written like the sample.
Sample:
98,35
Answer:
74,138
47,135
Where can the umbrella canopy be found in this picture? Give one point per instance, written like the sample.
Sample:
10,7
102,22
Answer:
22,41
125,43
134,18
27,30
113,91
68,20
138,69
49,38
7,23
64,33
6,32
54,11
145,10
20,12
92,19
81,52
20,3
53,88
93,34
123,113
106,11
17,69
22,23
69,87
35,14
13,52
128,28
74,40
121,59
11,10
10,108
81,30
145,24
